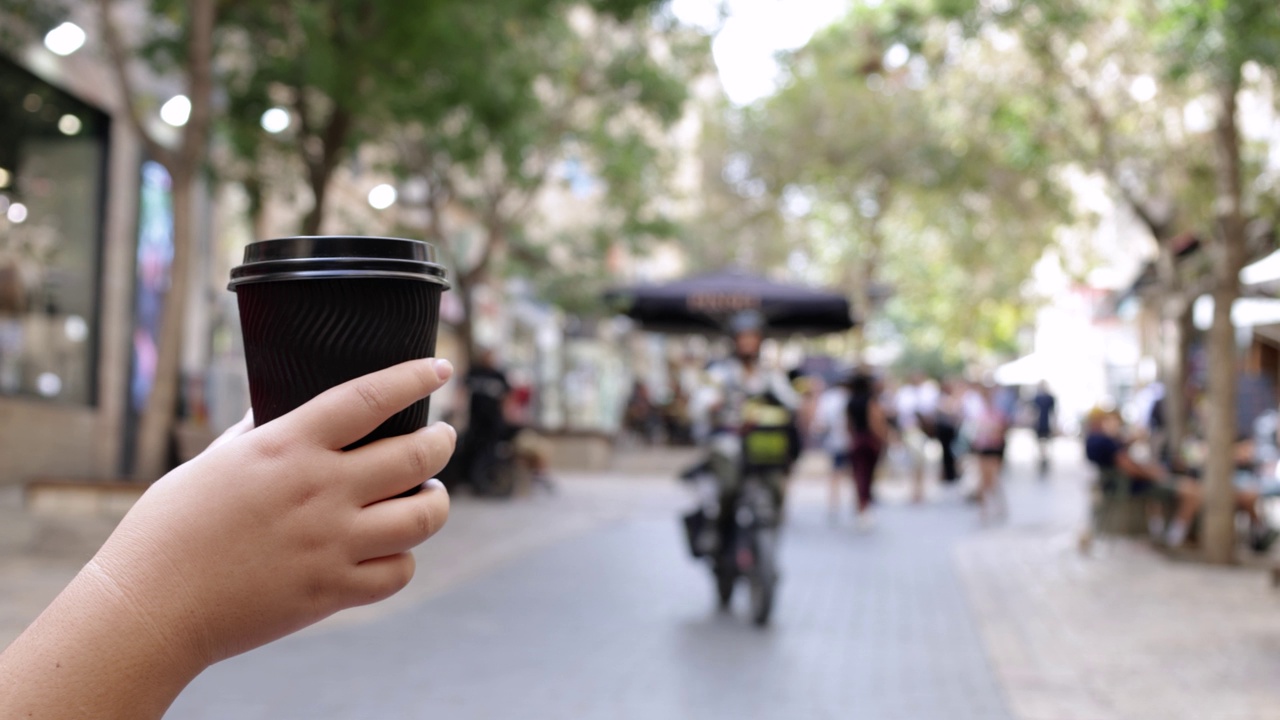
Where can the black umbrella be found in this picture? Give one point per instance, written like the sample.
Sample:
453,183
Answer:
704,303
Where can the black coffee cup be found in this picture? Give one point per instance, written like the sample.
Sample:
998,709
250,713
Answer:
319,311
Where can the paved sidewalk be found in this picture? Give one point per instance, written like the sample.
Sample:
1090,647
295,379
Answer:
38,556
615,621
584,605
1124,634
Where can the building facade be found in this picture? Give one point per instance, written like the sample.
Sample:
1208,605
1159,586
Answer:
70,170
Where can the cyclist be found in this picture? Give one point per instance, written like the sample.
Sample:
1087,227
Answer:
740,391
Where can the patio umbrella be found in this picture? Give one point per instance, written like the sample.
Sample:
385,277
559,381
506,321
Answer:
704,303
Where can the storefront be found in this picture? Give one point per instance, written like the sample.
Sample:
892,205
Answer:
63,228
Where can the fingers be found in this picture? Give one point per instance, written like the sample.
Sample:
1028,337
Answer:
393,465
233,432
348,412
397,525
380,578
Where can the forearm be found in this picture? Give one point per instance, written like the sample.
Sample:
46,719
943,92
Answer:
91,654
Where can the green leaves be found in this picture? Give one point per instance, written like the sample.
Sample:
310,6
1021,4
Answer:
1220,36
914,170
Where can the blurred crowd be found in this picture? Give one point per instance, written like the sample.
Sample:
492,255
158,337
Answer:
866,420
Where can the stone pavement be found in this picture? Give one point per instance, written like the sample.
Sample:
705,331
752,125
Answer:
1124,634
38,556
584,605
616,622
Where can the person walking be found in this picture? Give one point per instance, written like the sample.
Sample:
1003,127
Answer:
1046,409
990,427
869,431
947,429
831,426
912,403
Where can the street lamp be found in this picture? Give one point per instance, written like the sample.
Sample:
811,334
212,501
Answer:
64,39
176,110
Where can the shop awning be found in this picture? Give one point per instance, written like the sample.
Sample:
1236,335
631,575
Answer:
1265,271
1245,312
1027,370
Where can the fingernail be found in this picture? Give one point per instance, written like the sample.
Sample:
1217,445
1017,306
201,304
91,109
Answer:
444,369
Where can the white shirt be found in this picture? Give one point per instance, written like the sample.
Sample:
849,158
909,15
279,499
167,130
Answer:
907,403
832,420
927,395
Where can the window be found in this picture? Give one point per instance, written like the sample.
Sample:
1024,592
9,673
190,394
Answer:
52,163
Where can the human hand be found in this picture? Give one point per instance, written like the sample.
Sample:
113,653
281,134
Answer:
275,528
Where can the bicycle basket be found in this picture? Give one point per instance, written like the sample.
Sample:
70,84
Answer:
767,447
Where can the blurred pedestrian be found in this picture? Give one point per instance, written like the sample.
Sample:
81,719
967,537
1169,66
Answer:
488,387
1045,406
869,432
947,421
640,417
810,388
915,404
831,427
990,427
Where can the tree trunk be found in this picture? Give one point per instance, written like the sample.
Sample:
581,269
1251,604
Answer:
152,453
1219,509
319,192
333,140
151,456
1228,257
466,327
1177,328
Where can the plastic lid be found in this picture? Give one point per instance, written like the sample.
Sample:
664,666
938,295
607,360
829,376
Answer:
333,256
339,246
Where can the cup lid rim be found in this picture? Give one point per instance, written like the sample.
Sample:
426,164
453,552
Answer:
324,247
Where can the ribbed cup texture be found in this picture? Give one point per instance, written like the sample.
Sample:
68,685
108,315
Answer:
302,337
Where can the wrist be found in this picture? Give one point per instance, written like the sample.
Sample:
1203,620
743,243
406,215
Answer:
99,651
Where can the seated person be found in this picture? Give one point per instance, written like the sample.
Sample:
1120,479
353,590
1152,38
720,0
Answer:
1106,448
1249,488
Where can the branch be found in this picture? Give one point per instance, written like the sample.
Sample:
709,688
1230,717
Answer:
195,138
1052,65
119,66
306,129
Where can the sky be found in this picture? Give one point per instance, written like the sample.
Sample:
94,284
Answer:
754,31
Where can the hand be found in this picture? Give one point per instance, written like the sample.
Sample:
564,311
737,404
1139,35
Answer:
269,530
275,528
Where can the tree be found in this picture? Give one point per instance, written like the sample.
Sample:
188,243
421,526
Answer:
189,28
1100,67
349,72
1212,43
895,167
1091,87
590,99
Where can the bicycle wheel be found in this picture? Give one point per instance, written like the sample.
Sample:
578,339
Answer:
764,577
